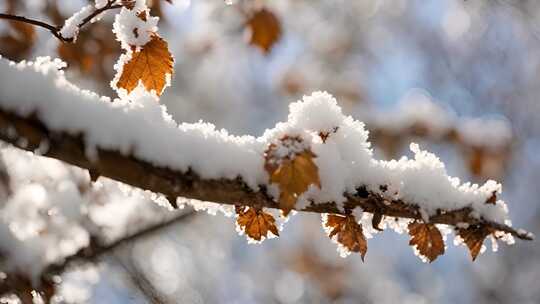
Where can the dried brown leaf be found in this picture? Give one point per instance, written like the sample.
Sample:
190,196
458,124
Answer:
474,237
256,223
151,66
265,29
349,233
428,240
293,175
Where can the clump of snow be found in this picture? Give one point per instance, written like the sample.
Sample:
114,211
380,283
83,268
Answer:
70,30
132,30
287,147
424,180
319,112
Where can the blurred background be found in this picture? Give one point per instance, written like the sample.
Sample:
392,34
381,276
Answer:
462,78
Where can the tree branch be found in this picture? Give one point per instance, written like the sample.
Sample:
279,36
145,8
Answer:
97,248
28,133
55,30
140,281
20,285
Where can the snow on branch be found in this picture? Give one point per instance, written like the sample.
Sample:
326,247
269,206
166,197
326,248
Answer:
319,160
486,144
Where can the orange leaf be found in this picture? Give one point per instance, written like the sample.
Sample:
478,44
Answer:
428,240
474,237
256,223
265,29
18,41
349,232
151,65
293,173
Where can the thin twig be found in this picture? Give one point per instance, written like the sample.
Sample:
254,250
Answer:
55,30
140,281
15,283
97,249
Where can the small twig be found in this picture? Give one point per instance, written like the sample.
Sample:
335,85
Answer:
14,283
55,30
140,281
109,6
97,249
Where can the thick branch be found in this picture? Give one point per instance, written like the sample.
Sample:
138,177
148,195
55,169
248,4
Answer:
28,133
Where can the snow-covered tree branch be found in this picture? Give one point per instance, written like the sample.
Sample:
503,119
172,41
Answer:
81,172
31,134
137,143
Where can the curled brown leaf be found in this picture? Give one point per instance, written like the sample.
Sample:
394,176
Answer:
349,233
427,239
256,223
